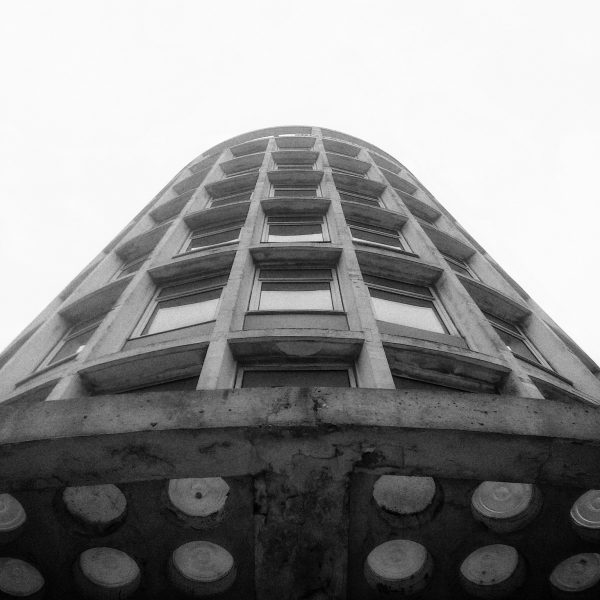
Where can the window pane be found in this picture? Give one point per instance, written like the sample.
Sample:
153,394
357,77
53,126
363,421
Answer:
295,233
397,285
411,315
312,274
214,238
458,268
242,197
183,312
358,198
72,347
131,267
292,192
295,296
406,383
296,378
377,238
516,345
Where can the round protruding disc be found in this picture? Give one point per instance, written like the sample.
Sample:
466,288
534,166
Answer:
12,513
585,514
492,571
96,505
198,497
404,495
202,568
577,573
399,565
109,568
19,578
505,506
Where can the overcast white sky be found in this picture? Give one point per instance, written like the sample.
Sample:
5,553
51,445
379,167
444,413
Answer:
495,106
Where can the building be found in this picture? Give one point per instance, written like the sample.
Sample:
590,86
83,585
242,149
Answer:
294,375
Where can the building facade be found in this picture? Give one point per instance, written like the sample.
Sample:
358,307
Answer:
295,375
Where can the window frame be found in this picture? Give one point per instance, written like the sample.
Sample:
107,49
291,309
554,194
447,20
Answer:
145,322
293,220
433,299
451,260
515,330
303,366
140,260
341,171
242,172
352,224
361,196
219,199
200,233
334,290
316,187
72,332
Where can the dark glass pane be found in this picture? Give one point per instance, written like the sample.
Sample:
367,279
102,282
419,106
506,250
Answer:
132,267
295,295
295,219
398,285
377,238
459,268
296,378
73,346
191,286
295,274
212,239
186,384
495,320
295,192
359,198
405,383
516,345
225,200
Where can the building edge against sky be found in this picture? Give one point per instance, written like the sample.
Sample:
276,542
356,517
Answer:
298,257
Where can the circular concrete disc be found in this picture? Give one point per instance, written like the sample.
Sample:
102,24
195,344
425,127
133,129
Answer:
108,567
490,565
198,497
577,573
404,495
12,513
202,561
19,578
95,504
397,560
586,510
502,500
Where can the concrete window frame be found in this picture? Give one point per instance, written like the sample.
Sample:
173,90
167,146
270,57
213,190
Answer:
310,368
201,237
291,220
239,196
360,198
183,293
297,278
377,230
415,295
131,266
459,265
280,190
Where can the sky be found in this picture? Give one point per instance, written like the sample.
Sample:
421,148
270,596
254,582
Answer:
494,106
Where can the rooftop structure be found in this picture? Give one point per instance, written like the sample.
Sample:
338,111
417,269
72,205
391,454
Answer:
295,375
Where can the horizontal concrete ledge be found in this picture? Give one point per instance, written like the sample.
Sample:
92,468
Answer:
235,432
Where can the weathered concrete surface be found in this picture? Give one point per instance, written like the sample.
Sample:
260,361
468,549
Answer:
237,432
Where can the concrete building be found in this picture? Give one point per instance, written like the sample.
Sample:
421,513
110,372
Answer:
294,375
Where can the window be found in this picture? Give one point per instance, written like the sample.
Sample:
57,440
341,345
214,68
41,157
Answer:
376,235
515,340
408,383
361,198
407,304
242,172
347,172
295,290
73,342
459,266
207,238
185,304
131,266
287,191
243,196
295,229
297,376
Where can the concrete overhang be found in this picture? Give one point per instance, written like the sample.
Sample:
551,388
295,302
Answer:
225,433
307,177
191,182
293,157
311,254
340,147
250,147
372,215
295,141
391,265
143,243
399,182
95,303
384,163
171,207
359,185
295,206
448,244
493,301
340,161
219,215
418,207
231,185
241,163
204,163
209,261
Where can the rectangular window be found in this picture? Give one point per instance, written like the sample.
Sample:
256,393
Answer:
406,304
296,290
207,238
295,229
515,339
361,198
299,376
74,341
231,199
459,266
242,172
347,172
184,305
131,266
376,235
302,191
